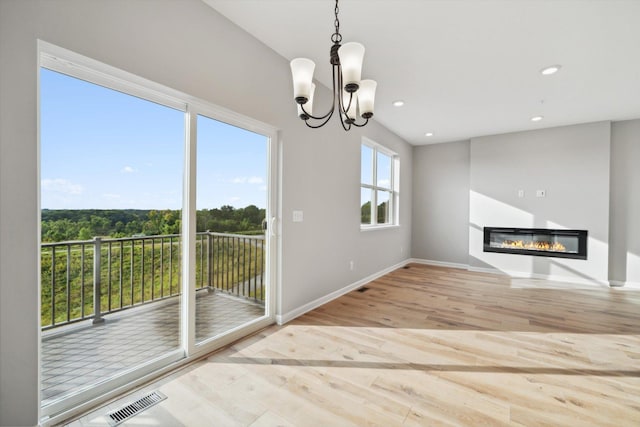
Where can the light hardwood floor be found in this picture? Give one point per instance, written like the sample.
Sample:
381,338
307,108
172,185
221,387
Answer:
426,346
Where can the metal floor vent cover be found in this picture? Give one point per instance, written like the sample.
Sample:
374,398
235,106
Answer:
132,409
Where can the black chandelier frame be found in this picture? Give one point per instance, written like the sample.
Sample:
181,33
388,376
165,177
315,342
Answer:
351,88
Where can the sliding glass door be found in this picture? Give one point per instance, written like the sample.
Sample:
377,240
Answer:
231,202
111,193
153,216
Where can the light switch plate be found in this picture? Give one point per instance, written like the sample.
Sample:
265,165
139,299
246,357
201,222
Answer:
298,216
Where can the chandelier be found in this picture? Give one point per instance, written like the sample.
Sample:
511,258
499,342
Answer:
350,94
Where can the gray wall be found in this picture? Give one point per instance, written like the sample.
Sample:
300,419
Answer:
591,178
187,46
441,202
624,256
571,164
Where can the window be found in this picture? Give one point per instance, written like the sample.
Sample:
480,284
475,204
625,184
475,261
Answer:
378,186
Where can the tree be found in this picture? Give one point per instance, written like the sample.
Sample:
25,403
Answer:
84,224
365,213
85,233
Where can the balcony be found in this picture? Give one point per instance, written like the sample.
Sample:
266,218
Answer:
104,314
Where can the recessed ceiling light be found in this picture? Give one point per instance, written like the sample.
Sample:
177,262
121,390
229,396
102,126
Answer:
398,103
536,118
547,71
428,134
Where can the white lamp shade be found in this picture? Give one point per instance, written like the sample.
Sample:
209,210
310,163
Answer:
308,106
351,56
302,73
366,96
352,112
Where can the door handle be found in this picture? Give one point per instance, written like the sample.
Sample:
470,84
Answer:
272,226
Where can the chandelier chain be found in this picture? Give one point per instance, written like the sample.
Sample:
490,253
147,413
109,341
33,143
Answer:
336,37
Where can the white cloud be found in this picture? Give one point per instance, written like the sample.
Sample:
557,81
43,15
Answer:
111,196
235,199
247,180
128,169
384,183
61,185
263,188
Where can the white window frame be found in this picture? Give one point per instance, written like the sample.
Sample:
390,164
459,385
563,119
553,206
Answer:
394,187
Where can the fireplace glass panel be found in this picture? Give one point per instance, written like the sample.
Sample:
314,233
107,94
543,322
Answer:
537,241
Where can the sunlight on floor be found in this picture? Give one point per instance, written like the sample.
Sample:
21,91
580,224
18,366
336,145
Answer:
273,375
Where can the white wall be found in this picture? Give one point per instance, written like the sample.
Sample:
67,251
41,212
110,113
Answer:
441,202
624,256
571,164
187,46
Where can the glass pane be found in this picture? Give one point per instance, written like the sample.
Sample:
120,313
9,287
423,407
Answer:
231,205
111,195
384,171
366,165
365,206
384,216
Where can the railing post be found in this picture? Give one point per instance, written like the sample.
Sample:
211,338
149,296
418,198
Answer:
209,260
97,251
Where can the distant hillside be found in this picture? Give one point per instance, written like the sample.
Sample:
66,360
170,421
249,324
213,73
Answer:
84,224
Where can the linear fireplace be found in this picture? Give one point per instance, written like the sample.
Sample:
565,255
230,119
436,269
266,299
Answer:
536,241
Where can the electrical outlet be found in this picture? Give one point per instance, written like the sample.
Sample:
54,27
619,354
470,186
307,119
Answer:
298,216
541,193
520,193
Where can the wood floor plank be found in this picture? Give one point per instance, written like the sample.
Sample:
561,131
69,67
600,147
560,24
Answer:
430,346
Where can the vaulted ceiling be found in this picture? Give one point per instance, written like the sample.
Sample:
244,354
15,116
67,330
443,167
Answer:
468,68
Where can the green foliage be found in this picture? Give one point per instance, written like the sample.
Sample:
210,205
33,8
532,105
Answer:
382,213
65,225
365,213
137,271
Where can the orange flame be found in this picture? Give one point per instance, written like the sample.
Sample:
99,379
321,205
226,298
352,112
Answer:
536,246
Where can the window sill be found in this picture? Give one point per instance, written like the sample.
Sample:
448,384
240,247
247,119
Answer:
378,227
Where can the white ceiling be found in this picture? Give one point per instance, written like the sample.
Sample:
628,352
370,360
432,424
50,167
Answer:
468,68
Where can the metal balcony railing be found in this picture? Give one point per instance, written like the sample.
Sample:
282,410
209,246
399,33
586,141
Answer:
78,284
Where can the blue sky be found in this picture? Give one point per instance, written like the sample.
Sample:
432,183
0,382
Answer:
102,149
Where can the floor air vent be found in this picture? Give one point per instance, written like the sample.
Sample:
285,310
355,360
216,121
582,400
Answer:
119,416
363,289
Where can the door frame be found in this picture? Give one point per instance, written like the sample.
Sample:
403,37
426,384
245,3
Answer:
79,66
194,109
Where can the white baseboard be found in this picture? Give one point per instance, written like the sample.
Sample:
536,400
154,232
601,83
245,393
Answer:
289,316
439,263
576,280
487,270
550,277
519,274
